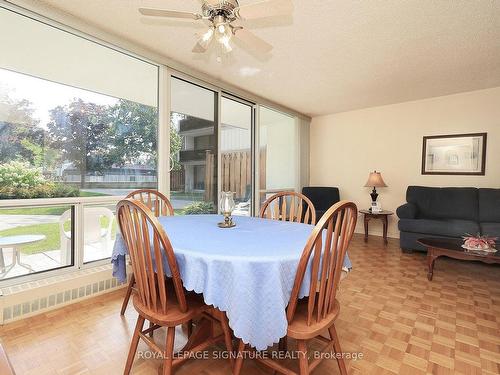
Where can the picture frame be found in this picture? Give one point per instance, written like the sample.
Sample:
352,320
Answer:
454,154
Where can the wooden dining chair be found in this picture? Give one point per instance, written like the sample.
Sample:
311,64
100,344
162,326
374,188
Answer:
309,317
160,205
289,206
164,303
154,200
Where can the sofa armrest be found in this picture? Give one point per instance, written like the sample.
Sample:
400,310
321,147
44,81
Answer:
407,211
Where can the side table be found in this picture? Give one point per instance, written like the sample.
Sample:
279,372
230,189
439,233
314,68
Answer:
382,215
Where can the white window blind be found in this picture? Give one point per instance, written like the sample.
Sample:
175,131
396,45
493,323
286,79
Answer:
34,48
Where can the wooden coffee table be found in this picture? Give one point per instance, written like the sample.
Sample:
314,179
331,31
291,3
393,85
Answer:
452,248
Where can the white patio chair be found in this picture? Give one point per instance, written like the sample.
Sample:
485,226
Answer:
93,232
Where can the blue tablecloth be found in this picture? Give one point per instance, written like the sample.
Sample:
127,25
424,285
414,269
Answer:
247,271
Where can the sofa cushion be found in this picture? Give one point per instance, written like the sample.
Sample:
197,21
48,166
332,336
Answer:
451,228
407,211
490,229
445,203
489,205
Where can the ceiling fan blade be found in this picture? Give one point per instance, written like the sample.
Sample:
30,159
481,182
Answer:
265,8
252,41
153,12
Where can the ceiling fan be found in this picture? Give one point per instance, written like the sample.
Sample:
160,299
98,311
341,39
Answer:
220,16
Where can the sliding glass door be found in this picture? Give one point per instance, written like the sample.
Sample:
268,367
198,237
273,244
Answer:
214,146
193,148
236,152
278,153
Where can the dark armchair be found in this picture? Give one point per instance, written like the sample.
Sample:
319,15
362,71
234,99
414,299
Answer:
322,198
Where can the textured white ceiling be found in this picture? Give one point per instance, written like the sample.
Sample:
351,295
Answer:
333,55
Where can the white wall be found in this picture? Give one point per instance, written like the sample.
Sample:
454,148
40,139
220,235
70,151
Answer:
345,147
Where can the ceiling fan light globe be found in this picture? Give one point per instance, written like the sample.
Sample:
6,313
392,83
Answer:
208,35
224,41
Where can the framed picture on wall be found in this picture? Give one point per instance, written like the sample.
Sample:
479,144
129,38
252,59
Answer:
456,154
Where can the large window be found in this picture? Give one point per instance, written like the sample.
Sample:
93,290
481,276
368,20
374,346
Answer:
193,148
78,120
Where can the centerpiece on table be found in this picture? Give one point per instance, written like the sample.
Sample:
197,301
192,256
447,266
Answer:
483,244
226,206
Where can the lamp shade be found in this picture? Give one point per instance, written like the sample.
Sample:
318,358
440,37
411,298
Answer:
375,180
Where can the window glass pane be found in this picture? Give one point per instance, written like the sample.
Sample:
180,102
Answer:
99,232
236,153
60,141
193,149
278,153
35,239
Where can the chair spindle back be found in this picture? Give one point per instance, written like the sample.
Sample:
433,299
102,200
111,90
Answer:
154,200
324,253
289,206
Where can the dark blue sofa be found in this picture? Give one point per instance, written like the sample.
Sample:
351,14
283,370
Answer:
449,212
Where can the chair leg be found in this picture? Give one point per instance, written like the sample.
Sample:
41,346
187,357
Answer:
303,360
169,351
336,347
228,338
239,359
133,345
151,334
128,294
283,344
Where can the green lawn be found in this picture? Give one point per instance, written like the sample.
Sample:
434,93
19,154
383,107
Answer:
58,210
50,231
92,194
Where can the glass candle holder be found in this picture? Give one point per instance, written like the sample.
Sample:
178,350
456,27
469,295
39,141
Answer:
226,206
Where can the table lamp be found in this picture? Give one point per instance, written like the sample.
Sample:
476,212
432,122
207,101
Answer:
375,180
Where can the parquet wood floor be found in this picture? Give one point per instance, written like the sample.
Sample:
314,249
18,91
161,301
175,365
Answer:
402,323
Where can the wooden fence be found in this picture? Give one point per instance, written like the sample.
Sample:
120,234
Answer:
177,180
237,173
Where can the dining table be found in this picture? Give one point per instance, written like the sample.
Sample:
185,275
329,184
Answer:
247,271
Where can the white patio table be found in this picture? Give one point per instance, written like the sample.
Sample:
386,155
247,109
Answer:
14,242
247,271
